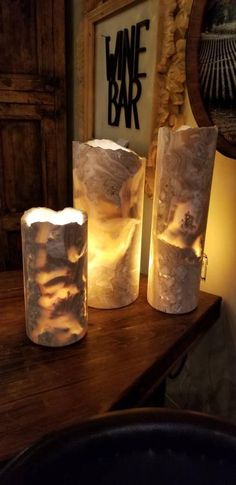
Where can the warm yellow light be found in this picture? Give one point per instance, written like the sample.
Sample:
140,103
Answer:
108,185
106,145
178,242
65,216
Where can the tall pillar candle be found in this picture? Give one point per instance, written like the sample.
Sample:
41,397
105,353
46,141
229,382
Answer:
109,186
185,160
54,247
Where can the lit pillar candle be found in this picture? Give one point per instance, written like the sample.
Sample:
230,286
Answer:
109,186
54,247
185,160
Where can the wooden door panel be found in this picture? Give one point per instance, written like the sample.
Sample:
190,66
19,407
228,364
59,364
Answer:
13,256
49,161
21,160
33,165
45,38
18,44
27,97
27,40
29,177
16,111
3,249
10,242
25,82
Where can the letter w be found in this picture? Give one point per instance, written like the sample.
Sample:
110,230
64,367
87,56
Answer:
114,60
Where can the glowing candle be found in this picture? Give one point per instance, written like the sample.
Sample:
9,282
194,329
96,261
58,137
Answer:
185,160
54,246
109,186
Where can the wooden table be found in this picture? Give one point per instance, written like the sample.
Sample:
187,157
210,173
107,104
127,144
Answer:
124,358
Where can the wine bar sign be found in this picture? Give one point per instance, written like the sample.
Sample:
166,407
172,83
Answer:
123,74
122,83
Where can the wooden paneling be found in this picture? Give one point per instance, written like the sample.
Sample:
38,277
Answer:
15,111
27,97
21,168
14,256
23,82
33,164
18,39
49,163
45,38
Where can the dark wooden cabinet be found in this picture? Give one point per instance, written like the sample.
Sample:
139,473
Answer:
33,162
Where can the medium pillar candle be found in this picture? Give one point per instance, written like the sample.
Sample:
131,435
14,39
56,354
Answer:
109,186
54,247
185,160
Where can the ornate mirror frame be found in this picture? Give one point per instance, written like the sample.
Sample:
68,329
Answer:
196,24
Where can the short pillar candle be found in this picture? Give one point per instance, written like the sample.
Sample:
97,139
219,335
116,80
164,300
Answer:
185,161
54,248
109,186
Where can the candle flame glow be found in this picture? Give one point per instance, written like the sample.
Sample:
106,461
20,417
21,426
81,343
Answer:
65,216
106,144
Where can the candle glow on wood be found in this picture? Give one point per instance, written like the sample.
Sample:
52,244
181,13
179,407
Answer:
185,162
55,271
109,185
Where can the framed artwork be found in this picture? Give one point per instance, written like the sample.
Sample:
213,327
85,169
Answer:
131,78
211,68
121,41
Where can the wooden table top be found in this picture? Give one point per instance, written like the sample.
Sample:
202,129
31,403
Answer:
125,355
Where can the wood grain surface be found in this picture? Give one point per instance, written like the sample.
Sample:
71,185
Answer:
34,167
125,356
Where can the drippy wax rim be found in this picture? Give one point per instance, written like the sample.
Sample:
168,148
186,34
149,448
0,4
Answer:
43,214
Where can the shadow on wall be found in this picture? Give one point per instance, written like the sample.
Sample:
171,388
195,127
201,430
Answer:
205,384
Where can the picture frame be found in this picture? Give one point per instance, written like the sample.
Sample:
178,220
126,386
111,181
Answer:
169,86
121,37
211,71
92,18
